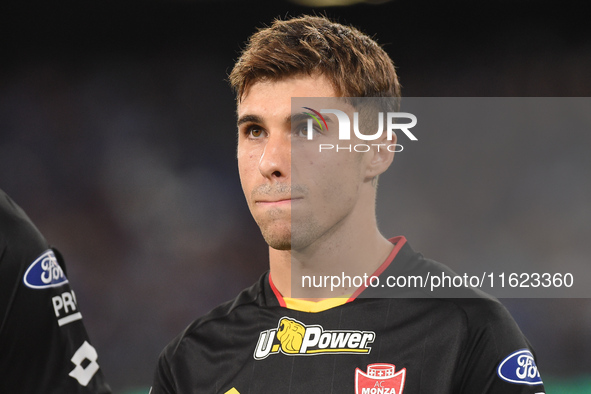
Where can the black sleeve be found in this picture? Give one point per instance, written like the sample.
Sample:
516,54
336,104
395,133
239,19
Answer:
498,358
44,347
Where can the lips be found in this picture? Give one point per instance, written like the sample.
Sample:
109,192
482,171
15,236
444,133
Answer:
271,202
278,200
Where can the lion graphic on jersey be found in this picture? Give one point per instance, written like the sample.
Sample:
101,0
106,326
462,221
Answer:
291,334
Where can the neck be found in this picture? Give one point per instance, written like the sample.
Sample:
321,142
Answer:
352,250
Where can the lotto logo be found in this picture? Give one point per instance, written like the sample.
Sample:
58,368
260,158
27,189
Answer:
294,338
80,373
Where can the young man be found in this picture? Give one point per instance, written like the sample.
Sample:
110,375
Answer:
44,347
316,211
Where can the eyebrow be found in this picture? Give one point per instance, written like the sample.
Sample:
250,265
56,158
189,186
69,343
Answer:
305,115
249,119
299,117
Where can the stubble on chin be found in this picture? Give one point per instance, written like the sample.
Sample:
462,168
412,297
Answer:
295,236
276,238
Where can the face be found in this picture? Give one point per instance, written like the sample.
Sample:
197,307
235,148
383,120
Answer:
296,195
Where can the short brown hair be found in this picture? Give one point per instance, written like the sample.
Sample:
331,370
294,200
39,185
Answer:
355,64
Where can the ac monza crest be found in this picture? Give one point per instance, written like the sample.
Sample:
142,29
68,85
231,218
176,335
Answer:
379,379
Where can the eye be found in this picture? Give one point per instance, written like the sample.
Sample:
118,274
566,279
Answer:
301,130
254,132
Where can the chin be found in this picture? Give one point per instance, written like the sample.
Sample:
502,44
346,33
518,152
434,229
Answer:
277,239
279,244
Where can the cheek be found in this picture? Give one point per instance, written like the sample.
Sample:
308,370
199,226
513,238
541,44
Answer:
342,179
248,156
248,170
244,170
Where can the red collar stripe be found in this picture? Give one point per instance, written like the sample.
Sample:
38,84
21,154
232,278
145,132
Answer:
277,293
398,243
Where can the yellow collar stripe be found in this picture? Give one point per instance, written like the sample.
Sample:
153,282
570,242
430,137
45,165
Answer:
298,304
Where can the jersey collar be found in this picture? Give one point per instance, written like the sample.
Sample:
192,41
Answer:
319,306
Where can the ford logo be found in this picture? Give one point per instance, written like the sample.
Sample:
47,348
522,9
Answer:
45,272
519,367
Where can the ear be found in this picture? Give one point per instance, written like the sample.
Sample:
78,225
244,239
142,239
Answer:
380,156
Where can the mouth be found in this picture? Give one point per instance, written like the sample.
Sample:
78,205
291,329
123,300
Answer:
278,202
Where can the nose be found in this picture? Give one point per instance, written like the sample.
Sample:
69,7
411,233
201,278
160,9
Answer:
275,162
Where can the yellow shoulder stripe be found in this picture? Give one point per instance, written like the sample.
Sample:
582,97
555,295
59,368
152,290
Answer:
232,391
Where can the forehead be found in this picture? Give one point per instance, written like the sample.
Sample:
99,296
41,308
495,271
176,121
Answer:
268,98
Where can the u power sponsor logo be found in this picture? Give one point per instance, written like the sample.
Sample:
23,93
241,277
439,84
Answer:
294,338
520,368
344,127
45,272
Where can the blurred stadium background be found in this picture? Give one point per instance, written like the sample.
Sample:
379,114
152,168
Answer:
117,137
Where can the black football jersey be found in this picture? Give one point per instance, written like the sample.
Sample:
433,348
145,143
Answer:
44,347
262,343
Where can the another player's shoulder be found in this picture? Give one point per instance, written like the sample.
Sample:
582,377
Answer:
15,225
21,243
9,210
